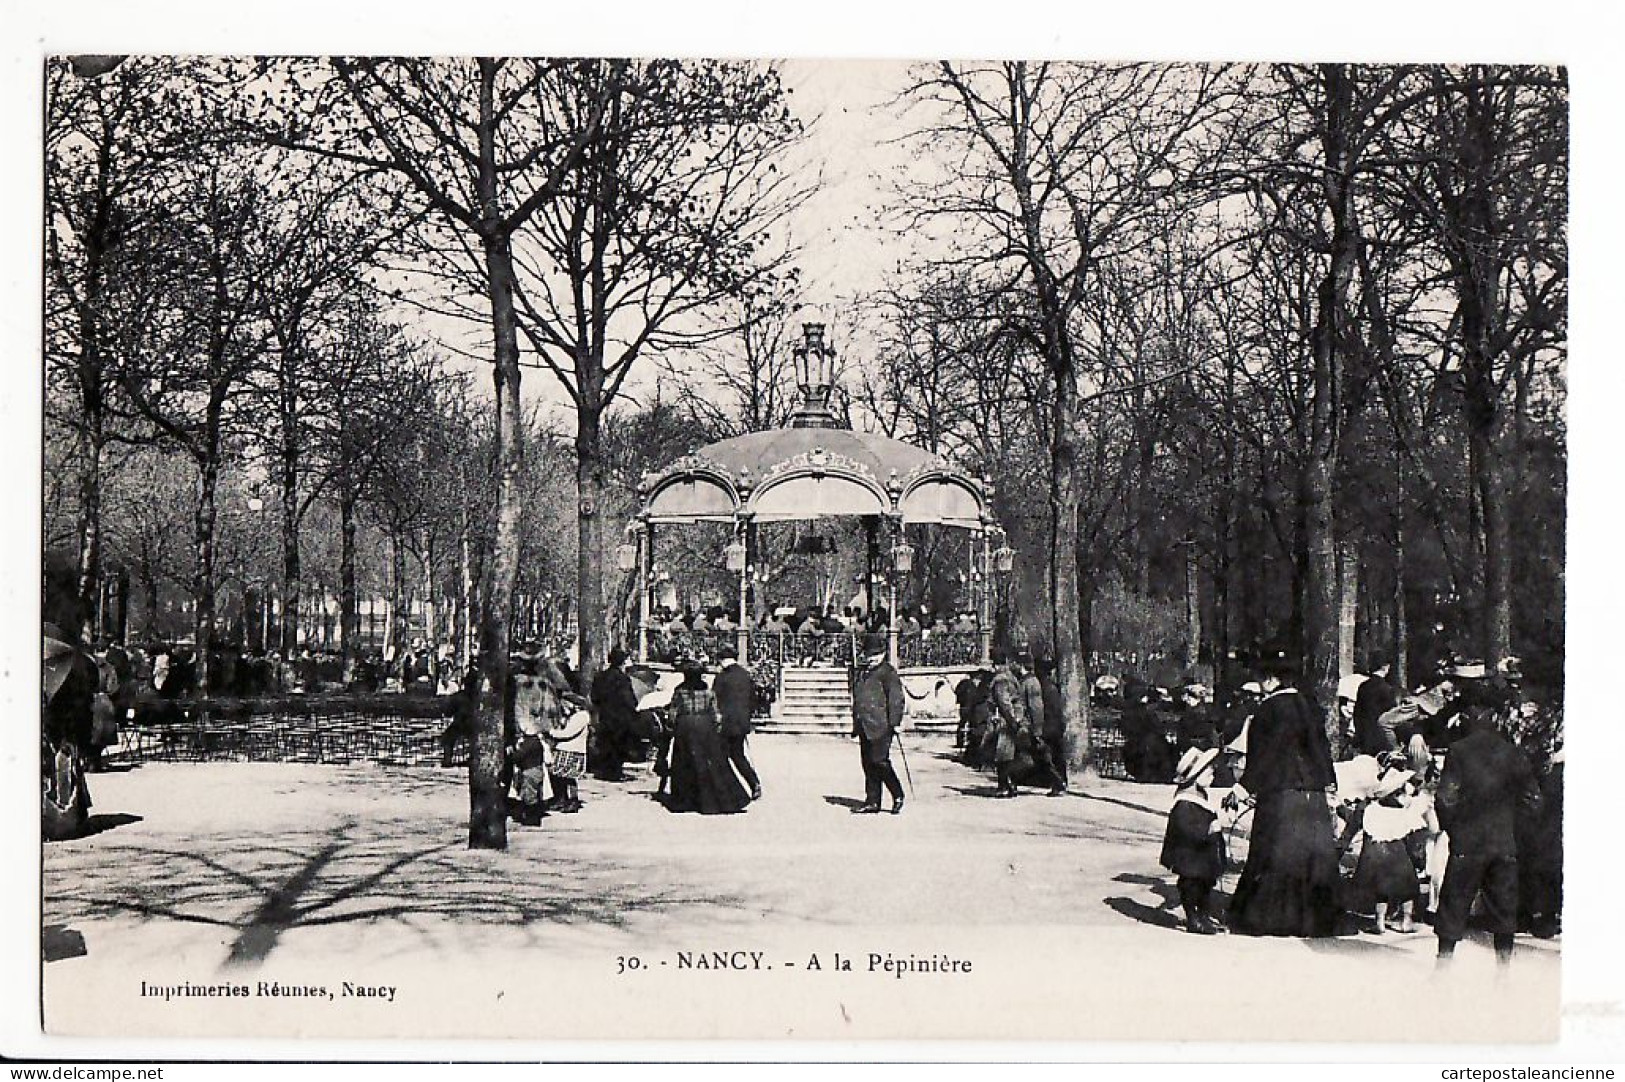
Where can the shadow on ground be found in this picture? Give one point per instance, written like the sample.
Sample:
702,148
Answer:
58,941
1130,805
96,824
263,888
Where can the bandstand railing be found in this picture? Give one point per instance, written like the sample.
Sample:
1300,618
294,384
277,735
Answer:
939,649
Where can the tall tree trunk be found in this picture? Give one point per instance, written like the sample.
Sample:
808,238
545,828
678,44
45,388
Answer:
487,816
90,533
289,634
90,371
589,526
349,602
465,594
149,584
1489,478
1325,442
203,524
1348,605
398,602
1193,610
1401,671
431,612
1066,627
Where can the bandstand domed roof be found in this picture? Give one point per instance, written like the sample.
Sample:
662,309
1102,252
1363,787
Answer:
809,473
813,469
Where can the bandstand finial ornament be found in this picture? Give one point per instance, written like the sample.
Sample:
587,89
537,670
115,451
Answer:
815,375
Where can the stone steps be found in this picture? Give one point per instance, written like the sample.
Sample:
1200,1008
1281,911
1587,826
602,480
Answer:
814,699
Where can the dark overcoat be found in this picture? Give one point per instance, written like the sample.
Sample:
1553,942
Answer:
1287,746
1486,782
735,694
1191,847
877,701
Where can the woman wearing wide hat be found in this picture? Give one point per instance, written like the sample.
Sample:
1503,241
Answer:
700,778
1289,884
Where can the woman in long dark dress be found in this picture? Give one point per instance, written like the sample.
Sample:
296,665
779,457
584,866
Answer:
1289,883
701,779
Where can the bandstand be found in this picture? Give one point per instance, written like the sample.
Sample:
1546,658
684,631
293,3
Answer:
817,469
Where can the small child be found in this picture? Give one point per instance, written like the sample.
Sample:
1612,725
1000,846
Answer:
536,706
568,740
1386,875
1193,847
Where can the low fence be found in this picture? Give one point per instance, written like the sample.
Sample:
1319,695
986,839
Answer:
768,652
395,730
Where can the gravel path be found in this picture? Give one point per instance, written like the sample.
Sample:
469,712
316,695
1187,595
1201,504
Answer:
313,876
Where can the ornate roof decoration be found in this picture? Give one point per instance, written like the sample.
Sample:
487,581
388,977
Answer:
816,446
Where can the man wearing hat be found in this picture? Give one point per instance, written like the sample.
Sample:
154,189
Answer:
1193,847
1375,697
877,713
1486,783
735,695
616,703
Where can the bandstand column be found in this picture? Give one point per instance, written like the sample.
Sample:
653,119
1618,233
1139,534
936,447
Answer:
891,596
985,621
646,583
643,536
743,530
871,553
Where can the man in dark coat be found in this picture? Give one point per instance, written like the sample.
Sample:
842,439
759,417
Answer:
1374,699
1052,729
616,704
1147,755
877,713
735,696
1486,782
967,693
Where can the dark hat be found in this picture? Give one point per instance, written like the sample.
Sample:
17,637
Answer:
691,666
1278,661
1021,656
1485,694
875,643
550,671
617,655
728,650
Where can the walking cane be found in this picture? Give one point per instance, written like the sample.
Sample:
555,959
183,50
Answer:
907,773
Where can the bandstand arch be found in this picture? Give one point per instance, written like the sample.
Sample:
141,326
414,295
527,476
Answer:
810,470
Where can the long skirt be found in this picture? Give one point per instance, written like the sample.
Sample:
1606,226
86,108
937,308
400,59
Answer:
1385,874
1289,884
701,778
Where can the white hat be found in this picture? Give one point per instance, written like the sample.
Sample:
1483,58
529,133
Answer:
1193,763
1253,687
1391,782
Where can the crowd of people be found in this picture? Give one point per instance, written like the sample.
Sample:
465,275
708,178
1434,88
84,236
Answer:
1442,805
694,734
815,619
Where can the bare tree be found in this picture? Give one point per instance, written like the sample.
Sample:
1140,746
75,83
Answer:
1490,181
672,212
104,134
1054,167
484,145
